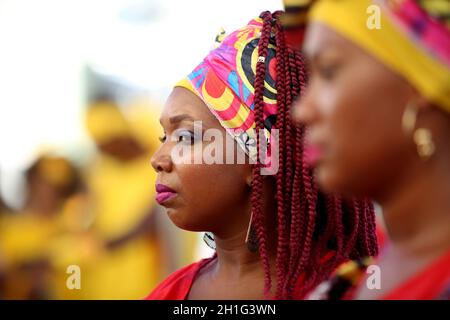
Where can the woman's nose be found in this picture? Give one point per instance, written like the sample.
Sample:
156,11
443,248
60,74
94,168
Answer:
303,109
161,161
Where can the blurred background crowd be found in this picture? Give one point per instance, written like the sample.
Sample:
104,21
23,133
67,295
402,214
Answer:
82,85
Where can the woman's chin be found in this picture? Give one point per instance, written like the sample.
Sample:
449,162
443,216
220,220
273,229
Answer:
327,180
180,220
174,216
338,182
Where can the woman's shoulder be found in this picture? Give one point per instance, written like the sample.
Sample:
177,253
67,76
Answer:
432,282
177,285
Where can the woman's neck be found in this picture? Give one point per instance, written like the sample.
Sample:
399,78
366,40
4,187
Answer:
416,209
234,257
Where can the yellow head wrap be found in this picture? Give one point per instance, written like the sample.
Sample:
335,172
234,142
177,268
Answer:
401,47
57,171
105,121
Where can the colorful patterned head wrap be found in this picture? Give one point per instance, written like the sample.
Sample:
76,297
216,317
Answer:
410,41
224,80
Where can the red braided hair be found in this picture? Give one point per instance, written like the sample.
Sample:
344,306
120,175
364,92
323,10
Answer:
310,224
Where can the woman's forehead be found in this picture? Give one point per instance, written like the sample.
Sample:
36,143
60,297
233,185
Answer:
183,105
319,38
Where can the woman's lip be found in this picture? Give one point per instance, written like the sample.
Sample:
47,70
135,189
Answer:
163,188
162,197
312,154
164,193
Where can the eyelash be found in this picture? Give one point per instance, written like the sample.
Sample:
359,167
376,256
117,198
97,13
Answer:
189,134
192,139
327,72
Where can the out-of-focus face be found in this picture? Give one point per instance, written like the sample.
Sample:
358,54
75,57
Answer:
198,197
353,107
44,196
122,148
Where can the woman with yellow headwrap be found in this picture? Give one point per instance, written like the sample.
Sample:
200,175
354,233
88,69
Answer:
119,180
378,107
4,210
27,237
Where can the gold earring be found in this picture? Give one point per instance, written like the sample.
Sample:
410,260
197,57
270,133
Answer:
422,137
424,142
409,118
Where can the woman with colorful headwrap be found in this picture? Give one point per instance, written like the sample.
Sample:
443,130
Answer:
378,107
275,234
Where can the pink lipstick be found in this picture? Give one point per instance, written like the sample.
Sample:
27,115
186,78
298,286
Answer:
164,193
312,155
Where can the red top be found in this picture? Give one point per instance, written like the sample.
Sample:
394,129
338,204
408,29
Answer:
179,283
430,283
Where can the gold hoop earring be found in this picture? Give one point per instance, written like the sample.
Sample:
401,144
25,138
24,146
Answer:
422,137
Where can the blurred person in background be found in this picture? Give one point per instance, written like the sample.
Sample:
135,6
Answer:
120,181
378,108
26,237
4,210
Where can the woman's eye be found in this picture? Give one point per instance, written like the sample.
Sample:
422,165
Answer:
327,72
186,137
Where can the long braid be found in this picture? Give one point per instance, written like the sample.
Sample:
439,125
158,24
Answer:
363,238
329,230
371,232
354,228
311,197
340,233
257,184
296,222
298,226
282,180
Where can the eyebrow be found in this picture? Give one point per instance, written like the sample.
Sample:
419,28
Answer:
316,56
324,49
316,53
179,118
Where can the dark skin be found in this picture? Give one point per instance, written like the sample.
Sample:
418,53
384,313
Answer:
354,106
43,198
215,198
